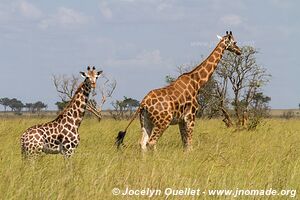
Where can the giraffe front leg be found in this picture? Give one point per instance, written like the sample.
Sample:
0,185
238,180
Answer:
68,146
183,133
67,152
67,149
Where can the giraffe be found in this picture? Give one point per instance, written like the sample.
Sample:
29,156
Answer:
61,135
177,102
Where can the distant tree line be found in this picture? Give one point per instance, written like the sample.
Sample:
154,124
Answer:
16,105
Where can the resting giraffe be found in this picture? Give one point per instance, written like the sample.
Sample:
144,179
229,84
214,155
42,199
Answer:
177,102
61,135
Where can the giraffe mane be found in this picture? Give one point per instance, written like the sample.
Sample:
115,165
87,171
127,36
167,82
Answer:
201,64
70,102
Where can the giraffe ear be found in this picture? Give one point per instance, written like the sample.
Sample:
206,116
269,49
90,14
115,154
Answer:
83,74
99,72
219,37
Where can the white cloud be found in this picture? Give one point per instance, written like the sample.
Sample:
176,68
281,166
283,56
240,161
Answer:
64,17
129,1
141,11
145,58
105,10
163,6
281,3
231,20
18,10
29,10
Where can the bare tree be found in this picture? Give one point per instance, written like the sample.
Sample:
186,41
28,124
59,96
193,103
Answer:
246,79
106,90
66,88
221,94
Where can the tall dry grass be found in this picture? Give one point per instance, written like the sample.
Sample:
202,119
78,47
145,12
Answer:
221,159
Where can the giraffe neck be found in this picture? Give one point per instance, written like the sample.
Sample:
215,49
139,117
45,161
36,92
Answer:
201,74
74,111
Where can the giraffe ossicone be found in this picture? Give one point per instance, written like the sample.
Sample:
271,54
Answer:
61,135
177,102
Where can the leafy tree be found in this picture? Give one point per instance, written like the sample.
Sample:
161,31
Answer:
29,107
130,104
170,79
38,106
5,102
208,100
16,105
35,107
61,105
124,108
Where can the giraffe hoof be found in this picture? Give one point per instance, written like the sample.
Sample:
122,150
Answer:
188,149
151,146
143,147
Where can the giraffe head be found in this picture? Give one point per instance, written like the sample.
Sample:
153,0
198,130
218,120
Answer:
230,43
91,76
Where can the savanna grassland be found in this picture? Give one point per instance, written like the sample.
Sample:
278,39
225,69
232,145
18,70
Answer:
222,158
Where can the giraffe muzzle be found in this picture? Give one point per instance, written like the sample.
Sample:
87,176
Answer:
93,85
238,52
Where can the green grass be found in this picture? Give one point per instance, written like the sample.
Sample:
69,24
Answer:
221,159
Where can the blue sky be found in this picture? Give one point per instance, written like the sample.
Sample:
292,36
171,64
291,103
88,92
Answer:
139,42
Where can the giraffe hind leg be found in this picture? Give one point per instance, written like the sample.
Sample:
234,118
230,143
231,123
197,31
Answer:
155,135
31,148
23,149
147,127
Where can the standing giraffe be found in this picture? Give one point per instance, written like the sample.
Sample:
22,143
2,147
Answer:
177,102
61,135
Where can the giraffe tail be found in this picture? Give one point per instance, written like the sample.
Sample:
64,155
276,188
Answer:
120,138
121,134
